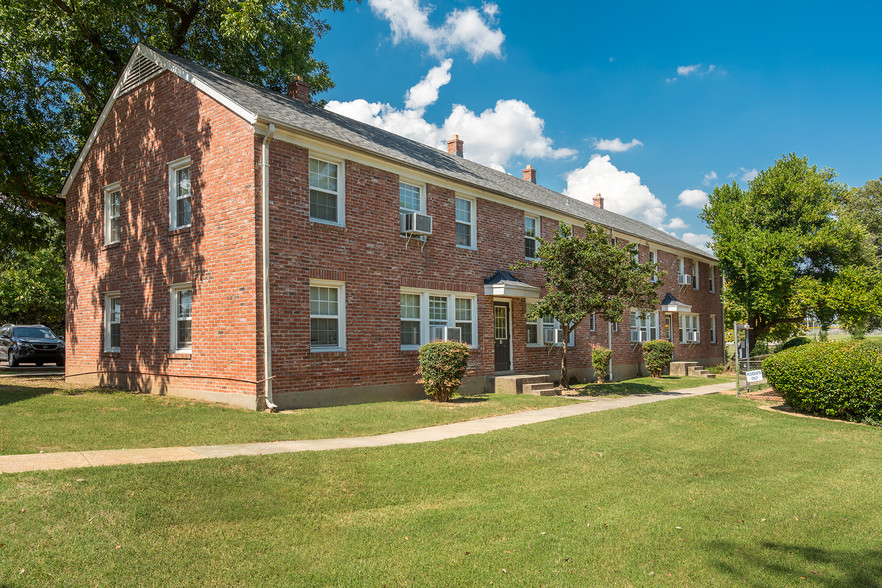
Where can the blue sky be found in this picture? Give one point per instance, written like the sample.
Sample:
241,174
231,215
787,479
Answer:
652,104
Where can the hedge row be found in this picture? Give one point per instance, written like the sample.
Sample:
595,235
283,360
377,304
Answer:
841,379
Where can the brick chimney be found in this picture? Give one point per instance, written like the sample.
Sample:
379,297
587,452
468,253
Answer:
298,89
529,174
454,146
598,201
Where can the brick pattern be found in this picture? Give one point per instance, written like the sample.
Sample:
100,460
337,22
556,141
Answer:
221,255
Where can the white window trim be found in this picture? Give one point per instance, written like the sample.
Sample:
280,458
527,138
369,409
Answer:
108,191
341,315
681,268
644,323
451,313
538,221
653,258
108,296
712,280
173,167
415,184
592,322
713,328
473,226
696,284
341,189
173,317
540,334
695,328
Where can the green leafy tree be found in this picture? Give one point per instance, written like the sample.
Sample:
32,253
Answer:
60,59
32,289
865,205
780,244
589,275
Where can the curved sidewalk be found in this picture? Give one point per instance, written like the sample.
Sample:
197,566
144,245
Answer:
107,457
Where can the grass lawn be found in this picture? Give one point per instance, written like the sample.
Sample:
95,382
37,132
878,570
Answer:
49,415
700,491
648,385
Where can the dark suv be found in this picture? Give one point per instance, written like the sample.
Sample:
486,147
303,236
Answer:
30,344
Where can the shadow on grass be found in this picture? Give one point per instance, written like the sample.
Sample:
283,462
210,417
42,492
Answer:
12,394
615,389
21,389
783,564
469,399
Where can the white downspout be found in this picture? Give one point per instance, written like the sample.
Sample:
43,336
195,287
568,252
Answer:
267,340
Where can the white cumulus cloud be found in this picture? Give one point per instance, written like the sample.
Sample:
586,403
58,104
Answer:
622,191
709,178
675,224
699,240
616,145
467,29
744,175
697,70
426,92
492,137
694,198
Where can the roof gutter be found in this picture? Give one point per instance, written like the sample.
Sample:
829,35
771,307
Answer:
267,339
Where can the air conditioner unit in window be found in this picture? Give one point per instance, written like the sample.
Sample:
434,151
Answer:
552,336
637,336
445,334
684,279
414,223
691,337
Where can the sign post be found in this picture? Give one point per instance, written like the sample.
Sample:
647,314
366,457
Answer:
745,327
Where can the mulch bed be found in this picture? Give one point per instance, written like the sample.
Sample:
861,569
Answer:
766,395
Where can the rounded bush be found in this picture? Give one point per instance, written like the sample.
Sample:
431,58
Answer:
795,342
657,354
600,360
841,379
442,367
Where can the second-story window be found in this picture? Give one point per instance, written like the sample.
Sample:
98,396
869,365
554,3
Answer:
531,233
465,223
111,214
409,197
653,258
711,283
694,274
325,202
180,194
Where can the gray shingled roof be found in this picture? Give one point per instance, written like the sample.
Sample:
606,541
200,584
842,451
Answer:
299,115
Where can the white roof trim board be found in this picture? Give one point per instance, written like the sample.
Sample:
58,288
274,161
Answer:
253,103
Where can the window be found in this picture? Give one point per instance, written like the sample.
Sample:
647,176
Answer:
112,321
465,223
325,188
536,330
531,232
615,327
182,318
326,317
681,270
180,194
644,327
689,328
713,328
653,258
694,274
592,321
111,214
613,241
421,310
711,282
410,197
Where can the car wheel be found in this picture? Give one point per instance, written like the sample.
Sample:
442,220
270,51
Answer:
10,356
39,364
59,363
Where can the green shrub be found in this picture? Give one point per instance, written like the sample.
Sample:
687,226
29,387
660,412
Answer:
657,355
716,369
600,360
442,366
795,342
841,379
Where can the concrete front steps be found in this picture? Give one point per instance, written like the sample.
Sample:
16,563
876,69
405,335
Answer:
526,384
690,368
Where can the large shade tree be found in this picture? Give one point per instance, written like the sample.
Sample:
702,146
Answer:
59,60
590,275
782,245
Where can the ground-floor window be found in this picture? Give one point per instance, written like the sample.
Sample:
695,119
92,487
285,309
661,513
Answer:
689,328
713,328
430,315
644,326
181,339
112,320
541,331
327,325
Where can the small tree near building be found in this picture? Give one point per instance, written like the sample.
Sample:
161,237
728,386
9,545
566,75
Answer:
589,275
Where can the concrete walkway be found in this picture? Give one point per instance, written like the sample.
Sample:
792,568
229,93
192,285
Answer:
81,459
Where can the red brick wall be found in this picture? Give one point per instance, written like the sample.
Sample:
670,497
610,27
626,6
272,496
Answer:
161,121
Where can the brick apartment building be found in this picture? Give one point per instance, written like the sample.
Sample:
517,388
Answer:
194,186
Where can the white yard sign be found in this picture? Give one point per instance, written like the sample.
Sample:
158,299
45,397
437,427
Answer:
754,376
